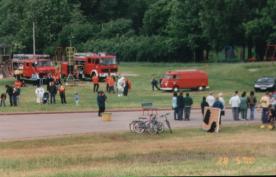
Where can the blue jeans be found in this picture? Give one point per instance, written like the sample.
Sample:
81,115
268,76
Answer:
180,113
252,112
187,113
235,111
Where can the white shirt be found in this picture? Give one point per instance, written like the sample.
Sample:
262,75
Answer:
210,100
235,101
39,91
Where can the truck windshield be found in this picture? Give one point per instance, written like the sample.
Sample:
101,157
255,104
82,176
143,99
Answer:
44,63
168,76
108,61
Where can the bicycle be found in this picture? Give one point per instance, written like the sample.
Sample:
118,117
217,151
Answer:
167,121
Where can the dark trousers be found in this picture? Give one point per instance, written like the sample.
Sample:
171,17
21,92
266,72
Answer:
111,89
235,111
96,88
53,98
265,116
180,113
187,113
125,91
14,100
155,86
10,97
101,110
62,98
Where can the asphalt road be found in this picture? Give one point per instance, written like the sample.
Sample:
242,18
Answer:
36,126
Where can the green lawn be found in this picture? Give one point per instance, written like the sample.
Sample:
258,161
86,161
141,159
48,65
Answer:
185,152
224,78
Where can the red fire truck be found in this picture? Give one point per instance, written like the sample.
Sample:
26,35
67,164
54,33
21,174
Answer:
90,64
32,67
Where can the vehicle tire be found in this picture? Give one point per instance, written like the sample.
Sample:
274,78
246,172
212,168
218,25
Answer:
131,126
175,89
200,88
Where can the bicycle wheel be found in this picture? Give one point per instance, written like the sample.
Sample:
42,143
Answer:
160,127
169,125
139,127
131,126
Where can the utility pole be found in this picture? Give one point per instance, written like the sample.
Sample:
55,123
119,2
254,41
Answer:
34,38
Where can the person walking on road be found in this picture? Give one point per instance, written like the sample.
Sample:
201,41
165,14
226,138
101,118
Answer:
174,105
235,104
252,101
101,99
188,102
180,105
210,99
243,106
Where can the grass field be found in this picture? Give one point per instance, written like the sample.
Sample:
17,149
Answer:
224,78
185,152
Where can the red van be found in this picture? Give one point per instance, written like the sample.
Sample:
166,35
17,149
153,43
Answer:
184,79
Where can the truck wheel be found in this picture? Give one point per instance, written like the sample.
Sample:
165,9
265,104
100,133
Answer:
200,88
176,89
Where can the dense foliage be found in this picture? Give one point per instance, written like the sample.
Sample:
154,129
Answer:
141,30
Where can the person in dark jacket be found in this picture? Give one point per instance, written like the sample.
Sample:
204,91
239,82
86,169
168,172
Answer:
53,91
101,98
218,104
154,84
126,88
203,105
188,102
9,91
180,105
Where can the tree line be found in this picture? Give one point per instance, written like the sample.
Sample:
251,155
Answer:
141,30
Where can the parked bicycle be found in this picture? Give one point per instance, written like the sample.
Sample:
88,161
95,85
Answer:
150,124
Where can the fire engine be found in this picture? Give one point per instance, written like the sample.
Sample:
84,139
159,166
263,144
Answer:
90,64
32,67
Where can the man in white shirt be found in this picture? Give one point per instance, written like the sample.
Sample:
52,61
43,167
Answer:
235,104
39,91
210,99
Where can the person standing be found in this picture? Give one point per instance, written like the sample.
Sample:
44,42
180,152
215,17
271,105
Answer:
14,96
9,91
188,102
218,104
174,105
101,99
3,100
111,84
235,104
203,105
127,86
95,80
210,99
62,94
77,99
107,81
53,91
39,91
265,102
252,101
180,105
221,99
243,106
154,84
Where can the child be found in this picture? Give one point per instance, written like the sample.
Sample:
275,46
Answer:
77,99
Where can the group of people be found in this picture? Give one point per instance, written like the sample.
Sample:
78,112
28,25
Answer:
13,92
182,106
122,85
